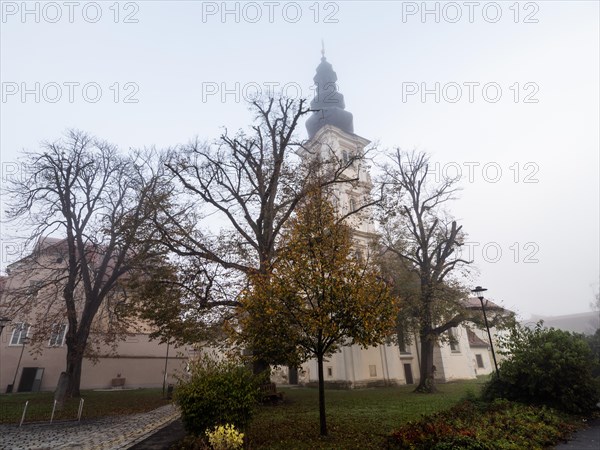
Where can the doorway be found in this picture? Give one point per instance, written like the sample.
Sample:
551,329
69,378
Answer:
408,374
31,379
293,375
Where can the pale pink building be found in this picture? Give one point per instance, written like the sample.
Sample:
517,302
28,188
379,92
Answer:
37,316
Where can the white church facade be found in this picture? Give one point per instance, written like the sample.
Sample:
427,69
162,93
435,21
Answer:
330,130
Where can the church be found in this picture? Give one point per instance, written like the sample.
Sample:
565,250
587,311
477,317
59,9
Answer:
331,129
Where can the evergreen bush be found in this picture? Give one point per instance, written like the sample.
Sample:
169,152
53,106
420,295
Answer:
217,393
546,366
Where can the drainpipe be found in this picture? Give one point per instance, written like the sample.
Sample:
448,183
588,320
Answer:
418,355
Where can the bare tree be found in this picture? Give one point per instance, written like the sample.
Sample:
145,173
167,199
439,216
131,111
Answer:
185,298
425,239
102,205
250,184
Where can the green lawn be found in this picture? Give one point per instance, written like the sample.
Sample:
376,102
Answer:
356,419
96,404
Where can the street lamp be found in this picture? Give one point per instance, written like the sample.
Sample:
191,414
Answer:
3,322
478,291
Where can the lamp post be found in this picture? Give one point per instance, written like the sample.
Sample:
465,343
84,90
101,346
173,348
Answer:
25,341
166,363
3,322
478,291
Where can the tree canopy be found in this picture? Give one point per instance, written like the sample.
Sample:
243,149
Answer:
318,294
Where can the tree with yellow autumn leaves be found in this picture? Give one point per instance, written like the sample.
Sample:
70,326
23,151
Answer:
317,296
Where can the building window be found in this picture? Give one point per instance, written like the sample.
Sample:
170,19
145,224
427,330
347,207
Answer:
372,371
330,371
403,348
352,204
360,256
57,336
403,341
453,341
19,333
345,156
479,361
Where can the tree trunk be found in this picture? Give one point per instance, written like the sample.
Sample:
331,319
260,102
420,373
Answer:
70,381
74,364
426,381
260,365
322,418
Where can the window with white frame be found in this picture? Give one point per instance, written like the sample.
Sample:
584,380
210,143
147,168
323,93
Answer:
345,156
57,335
19,333
352,203
479,360
453,340
372,370
403,341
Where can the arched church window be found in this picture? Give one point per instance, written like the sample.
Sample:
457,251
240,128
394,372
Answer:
360,255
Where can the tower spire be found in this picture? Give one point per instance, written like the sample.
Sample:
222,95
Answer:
328,104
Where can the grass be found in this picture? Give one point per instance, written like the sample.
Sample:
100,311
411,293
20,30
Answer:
96,404
356,419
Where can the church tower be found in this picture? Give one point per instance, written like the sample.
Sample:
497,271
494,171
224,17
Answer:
331,136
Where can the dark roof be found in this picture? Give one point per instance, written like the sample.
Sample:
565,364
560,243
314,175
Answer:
58,247
475,341
47,241
475,303
44,245
328,103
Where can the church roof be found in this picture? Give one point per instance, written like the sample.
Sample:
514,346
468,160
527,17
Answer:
475,341
474,303
328,104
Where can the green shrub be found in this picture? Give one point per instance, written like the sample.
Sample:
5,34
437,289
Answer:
594,343
218,393
546,366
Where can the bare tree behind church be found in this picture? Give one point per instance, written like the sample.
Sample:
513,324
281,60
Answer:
425,239
99,204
